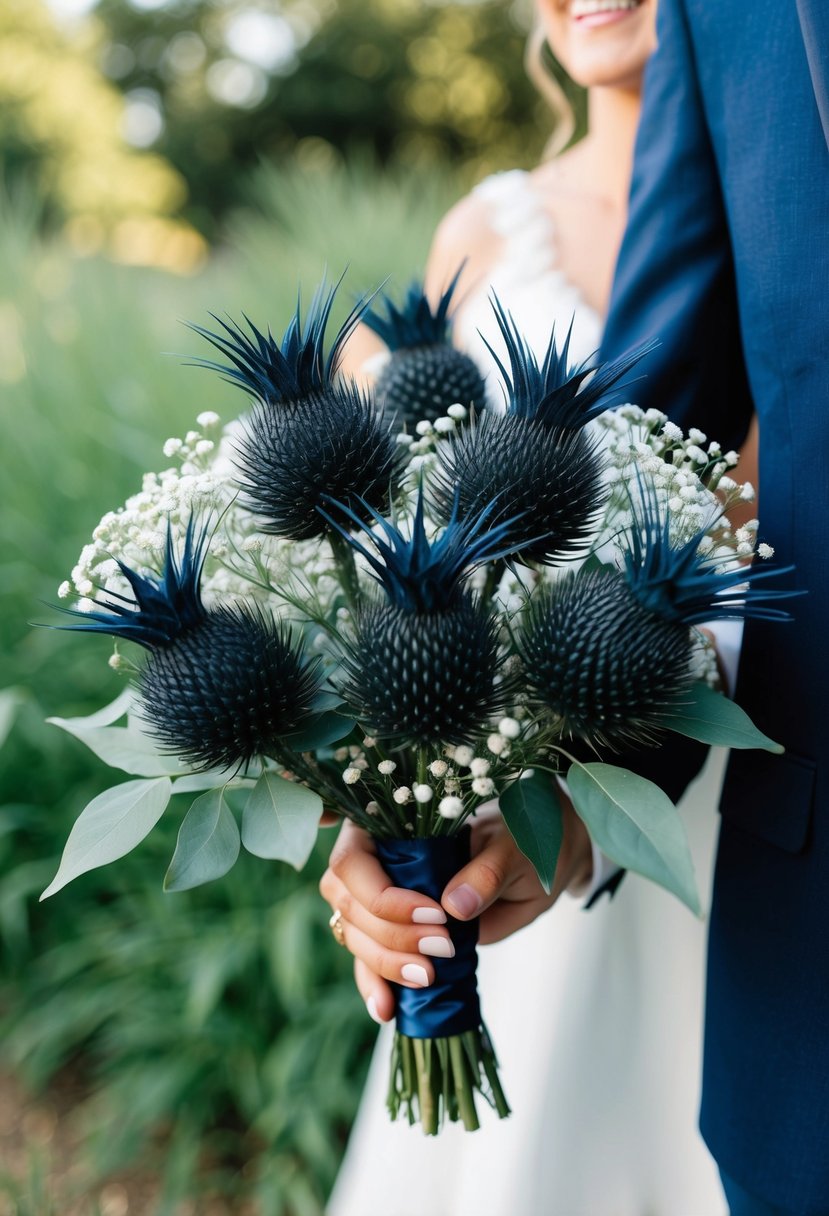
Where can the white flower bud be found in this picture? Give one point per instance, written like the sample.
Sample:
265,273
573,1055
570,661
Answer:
424,427
172,447
731,458
204,447
402,795
450,808
747,492
479,767
444,426
207,418
252,544
341,754
457,411
372,808
404,440
509,728
351,775
192,437
85,587
745,549
483,786
369,741
672,432
438,768
387,767
675,504
765,551
117,662
696,436
497,744
688,493
422,792
727,484
64,590
463,756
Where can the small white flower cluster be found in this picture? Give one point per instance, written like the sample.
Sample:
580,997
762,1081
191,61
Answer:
201,485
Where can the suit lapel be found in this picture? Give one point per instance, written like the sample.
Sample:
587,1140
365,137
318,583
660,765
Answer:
814,22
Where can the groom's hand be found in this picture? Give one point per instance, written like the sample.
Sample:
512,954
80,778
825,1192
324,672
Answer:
393,933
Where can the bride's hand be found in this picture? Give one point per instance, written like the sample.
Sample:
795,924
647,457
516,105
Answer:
393,933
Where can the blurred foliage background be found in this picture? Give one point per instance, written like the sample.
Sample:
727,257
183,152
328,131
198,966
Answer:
159,160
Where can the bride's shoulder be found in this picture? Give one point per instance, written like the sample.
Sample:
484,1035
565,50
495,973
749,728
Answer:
471,230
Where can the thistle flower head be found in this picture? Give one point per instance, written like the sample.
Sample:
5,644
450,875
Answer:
424,677
308,433
422,576
554,392
606,665
426,375
221,686
163,606
684,583
546,480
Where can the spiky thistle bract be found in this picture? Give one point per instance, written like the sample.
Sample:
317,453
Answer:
425,374
556,392
423,662
678,582
602,662
309,432
221,685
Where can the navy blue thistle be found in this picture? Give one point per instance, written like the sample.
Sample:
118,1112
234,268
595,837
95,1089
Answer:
310,432
221,685
424,659
426,373
536,458
610,651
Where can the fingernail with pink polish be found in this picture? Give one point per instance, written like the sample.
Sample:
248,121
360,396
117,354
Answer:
465,900
436,947
415,974
429,916
371,1006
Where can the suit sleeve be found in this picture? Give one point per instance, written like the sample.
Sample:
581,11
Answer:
675,275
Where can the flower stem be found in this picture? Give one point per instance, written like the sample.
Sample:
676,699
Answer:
346,568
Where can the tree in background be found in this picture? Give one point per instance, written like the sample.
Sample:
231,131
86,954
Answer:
217,86
60,133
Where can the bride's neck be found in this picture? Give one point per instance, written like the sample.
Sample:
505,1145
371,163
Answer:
612,118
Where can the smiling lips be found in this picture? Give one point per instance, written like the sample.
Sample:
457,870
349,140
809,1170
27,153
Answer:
590,13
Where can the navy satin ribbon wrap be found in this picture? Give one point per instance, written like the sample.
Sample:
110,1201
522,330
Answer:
450,1005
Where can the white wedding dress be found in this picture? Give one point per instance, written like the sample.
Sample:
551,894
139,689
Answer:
596,1015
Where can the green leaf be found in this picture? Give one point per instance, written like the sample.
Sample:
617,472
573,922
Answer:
280,820
328,728
102,717
207,845
636,825
110,826
711,717
532,811
122,747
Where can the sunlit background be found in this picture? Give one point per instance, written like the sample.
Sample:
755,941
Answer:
204,1052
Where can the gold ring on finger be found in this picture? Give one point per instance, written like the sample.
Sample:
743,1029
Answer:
336,925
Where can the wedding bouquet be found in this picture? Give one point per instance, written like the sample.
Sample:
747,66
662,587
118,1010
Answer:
405,620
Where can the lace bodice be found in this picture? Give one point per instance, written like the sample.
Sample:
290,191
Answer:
526,277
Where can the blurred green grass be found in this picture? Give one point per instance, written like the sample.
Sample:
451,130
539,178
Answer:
219,1031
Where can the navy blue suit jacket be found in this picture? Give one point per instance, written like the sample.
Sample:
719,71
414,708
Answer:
726,261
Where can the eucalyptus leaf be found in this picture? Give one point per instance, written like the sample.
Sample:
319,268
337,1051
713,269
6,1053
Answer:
122,747
280,820
328,728
635,823
110,826
711,717
207,846
532,811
